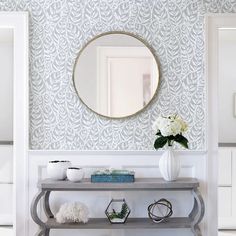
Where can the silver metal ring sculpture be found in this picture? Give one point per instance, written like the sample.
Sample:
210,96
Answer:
160,210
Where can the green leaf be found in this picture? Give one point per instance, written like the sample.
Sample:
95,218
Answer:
171,137
181,140
160,142
124,211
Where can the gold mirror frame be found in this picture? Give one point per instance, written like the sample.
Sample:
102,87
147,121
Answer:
134,36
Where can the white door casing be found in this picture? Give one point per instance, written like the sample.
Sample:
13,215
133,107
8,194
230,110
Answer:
213,23
18,21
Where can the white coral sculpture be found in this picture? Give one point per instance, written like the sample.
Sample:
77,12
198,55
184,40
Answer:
73,212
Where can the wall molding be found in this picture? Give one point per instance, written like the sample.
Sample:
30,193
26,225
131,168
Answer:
113,152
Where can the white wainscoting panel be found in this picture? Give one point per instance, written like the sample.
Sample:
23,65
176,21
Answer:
227,233
145,164
227,188
6,163
225,167
6,187
6,204
225,201
6,231
234,185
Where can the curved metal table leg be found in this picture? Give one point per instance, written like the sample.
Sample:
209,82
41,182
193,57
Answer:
33,209
40,232
47,232
197,212
46,205
43,231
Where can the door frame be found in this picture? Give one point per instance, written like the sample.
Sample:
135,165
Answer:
213,22
18,21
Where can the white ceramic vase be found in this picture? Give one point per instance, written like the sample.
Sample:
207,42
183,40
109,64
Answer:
75,174
57,169
169,165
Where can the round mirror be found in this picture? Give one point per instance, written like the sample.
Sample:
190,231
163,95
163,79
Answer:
116,74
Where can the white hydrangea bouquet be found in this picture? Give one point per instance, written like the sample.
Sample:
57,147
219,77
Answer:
170,129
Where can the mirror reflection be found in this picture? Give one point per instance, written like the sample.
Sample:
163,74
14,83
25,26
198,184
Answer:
116,75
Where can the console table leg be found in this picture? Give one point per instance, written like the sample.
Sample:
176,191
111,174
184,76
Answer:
43,232
47,231
196,231
40,232
194,211
197,212
46,205
33,209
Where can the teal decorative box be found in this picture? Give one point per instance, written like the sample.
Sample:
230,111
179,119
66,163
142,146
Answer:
112,176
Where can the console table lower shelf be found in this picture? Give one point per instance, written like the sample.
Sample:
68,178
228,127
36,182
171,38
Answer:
191,222
132,223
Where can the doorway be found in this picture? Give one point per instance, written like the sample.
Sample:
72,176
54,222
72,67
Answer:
221,64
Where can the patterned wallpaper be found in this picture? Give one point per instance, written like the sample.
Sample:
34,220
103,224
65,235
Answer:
59,28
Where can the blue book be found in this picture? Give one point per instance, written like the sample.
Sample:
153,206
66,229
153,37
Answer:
113,176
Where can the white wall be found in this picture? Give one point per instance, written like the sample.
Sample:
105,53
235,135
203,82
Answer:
227,85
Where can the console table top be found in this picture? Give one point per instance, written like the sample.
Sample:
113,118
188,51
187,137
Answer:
139,184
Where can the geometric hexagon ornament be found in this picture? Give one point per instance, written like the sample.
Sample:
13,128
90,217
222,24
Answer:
117,211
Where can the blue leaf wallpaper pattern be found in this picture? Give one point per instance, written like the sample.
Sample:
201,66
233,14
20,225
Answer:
58,30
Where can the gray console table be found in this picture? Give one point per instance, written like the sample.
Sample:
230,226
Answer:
140,184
